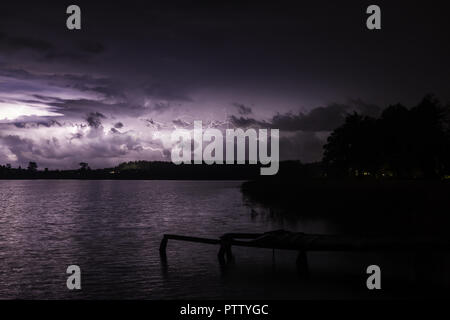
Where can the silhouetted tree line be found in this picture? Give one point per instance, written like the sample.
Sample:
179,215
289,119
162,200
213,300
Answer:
32,172
402,143
137,170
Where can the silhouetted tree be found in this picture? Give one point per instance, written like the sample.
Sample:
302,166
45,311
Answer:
32,166
83,166
352,148
401,143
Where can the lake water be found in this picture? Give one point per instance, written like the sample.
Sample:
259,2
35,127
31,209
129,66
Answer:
112,230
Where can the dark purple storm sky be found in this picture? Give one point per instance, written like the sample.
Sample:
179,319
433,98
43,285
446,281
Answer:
114,91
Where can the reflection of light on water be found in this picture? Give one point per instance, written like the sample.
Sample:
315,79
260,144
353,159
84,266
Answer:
113,229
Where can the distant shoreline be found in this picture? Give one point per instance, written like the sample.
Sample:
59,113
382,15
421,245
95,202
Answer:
123,179
141,170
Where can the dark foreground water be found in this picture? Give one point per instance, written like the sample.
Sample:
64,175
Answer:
112,230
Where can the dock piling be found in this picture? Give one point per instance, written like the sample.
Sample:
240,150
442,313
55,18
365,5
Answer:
225,250
302,243
302,263
163,246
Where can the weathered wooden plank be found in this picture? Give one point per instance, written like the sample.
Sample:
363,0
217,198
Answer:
163,245
305,242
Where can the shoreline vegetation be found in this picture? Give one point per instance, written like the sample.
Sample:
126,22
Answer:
160,170
137,170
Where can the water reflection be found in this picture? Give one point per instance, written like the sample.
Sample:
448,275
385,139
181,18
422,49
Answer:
112,230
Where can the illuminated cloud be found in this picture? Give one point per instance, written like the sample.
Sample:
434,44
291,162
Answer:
116,93
10,111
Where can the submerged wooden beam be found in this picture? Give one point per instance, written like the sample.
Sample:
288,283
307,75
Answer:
302,263
163,245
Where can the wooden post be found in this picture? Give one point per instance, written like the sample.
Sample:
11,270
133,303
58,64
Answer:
221,254
228,253
225,250
163,246
302,263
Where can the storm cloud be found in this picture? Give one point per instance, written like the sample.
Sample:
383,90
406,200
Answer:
242,109
318,119
115,91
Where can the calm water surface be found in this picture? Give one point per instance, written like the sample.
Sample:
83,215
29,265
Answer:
112,230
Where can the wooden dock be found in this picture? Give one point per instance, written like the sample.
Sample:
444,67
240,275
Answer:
302,243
